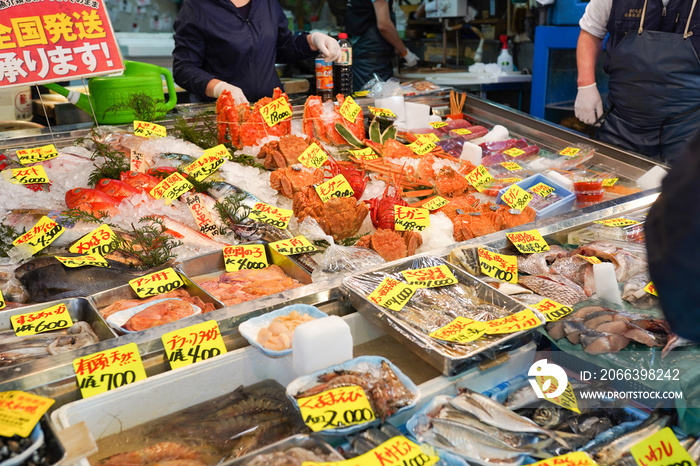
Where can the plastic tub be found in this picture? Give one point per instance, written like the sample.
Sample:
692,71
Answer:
564,204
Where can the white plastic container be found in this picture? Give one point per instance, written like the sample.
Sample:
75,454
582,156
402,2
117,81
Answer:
321,343
16,103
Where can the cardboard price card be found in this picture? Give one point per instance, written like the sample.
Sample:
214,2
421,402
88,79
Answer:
137,162
552,310
569,151
511,166
422,146
274,216
435,203
364,154
437,124
502,267
460,330
430,277
201,215
156,283
462,131
510,180
575,458
41,235
147,129
411,218
337,186
94,260
188,345
171,188
392,294
523,320
244,257
204,165
20,412
542,190
651,289
516,197
38,154
101,240
313,156
46,320
276,111
336,408
590,259
528,242
108,369
479,178
290,247
29,175
514,152
381,112
608,182
617,222
350,109
661,449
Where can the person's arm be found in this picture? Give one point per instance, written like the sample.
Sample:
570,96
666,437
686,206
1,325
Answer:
387,28
188,56
588,50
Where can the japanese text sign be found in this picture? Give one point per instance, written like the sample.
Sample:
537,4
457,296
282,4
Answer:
437,124
651,289
101,240
20,412
349,109
397,451
52,318
661,449
171,188
430,277
381,112
552,310
188,345
542,190
28,175
156,283
528,242
246,256
274,216
523,320
617,222
40,235
511,166
575,458
336,408
276,111
514,152
364,154
516,197
422,146
498,266
479,178
148,129
313,156
94,260
435,203
38,154
205,165
201,215
337,186
411,218
460,330
292,246
108,369
392,294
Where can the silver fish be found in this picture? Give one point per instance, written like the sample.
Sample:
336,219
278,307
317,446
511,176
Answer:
537,264
554,286
508,438
620,447
522,397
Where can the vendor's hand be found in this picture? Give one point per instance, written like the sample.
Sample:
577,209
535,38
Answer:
236,92
329,48
411,59
588,106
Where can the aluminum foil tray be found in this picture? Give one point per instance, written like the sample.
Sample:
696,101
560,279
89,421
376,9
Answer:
450,359
307,442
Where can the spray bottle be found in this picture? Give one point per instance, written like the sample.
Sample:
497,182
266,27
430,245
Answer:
505,60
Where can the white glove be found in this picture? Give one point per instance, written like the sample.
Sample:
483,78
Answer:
328,46
411,59
236,92
588,106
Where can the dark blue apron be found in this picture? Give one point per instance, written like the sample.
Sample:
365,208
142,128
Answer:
654,94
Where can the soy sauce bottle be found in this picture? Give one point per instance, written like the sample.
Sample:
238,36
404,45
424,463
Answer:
342,69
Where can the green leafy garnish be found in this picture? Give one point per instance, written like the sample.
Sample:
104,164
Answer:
145,107
7,235
231,208
149,245
114,163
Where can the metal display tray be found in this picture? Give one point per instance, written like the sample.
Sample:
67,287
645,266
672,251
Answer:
433,352
307,442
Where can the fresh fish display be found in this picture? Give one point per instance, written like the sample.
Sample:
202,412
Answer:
635,294
248,284
294,456
554,286
539,263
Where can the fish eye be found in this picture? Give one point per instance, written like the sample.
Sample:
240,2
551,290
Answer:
104,182
133,174
76,190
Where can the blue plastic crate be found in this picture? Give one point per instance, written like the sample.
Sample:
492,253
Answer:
567,12
562,205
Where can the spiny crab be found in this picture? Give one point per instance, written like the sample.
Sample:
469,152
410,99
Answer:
284,152
290,180
340,217
392,245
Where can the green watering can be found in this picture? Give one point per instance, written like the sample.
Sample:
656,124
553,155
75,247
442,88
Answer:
111,95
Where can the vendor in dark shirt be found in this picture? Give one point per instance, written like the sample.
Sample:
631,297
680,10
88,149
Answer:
234,44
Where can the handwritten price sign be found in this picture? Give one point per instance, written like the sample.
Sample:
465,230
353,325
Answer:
337,186
290,247
38,154
516,197
188,345
137,162
651,289
205,165
523,320
2,301
608,182
542,190
29,175
422,146
392,294
81,261
201,215
511,166
479,178
156,283
510,180
502,267
661,449
350,109
108,369
364,154
430,277
411,218
428,137
381,112
552,310
462,131
171,188
528,242
435,203
245,257
20,412
146,129
437,124
569,151
276,111
617,222
336,408
460,330
52,318
313,156
265,213
101,240
397,451
566,400
590,259
575,458
514,152
41,235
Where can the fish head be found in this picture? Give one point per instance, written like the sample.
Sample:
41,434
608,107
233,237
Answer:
28,269
115,188
139,180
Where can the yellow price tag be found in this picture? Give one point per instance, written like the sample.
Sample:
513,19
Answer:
27,175
156,283
651,289
244,257
608,182
516,197
411,218
20,412
479,178
428,137
137,161
510,180
590,259
171,188
2,300
460,330
292,246
80,261
523,320
575,458
52,318
617,222
514,152
350,109
337,186
661,449
313,156
435,203
542,190
569,151
108,369
422,146
276,111
394,452
511,166
552,310
201,215
274,216
461,131
41,235
498,266
37,154
147,129
191,344
430,277
336,408
381,112
364,154
205,165
101,240
528,242
392,294
437,124
549,386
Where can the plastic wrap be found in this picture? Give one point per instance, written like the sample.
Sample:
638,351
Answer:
276,454
469,298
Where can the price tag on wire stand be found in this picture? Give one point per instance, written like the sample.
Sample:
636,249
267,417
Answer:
516,197
411,218
337,186
109,369
171,188
349,109
41,235
37,154
147,129
292,246
101,240
276,112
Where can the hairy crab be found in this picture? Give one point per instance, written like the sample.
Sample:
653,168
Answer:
392,245
290,180
284,152
340,217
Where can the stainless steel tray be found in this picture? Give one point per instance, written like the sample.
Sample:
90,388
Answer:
307,442
448,359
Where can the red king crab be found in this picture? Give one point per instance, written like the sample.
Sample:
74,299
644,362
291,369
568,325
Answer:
315,125
340,217
382,208
290,180
356,178
392,245
285,152
247,127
